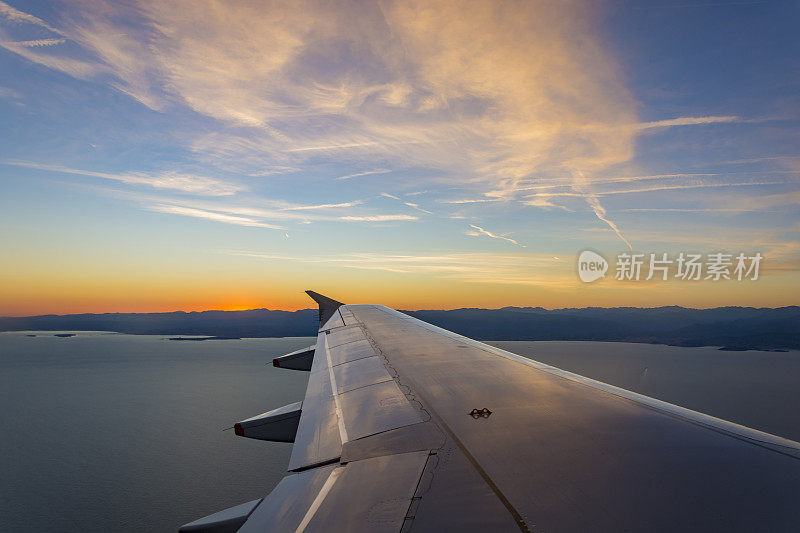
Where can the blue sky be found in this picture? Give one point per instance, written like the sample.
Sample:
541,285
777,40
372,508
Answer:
189,155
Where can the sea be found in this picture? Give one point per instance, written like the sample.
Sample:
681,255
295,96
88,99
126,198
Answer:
108,432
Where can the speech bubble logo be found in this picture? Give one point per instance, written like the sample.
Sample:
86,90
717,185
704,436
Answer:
591,266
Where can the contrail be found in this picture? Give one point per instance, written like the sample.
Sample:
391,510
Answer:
578,181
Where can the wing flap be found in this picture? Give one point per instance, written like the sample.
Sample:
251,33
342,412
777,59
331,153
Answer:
375,409
352,351
225,521
289,502
373,494
345,335
360,373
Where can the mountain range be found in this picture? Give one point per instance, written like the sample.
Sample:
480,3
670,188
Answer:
731,328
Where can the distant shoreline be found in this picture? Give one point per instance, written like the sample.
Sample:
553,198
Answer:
207,338
730,328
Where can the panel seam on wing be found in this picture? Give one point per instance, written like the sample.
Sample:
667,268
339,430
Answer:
335,393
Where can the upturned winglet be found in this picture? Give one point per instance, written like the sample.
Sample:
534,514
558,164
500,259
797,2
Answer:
327,306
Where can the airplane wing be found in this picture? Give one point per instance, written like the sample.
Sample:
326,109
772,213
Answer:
408,427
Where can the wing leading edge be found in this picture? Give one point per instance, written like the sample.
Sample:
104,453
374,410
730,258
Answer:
406,426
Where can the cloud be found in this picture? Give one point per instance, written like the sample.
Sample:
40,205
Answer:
15,15
679,210
269,171
695,186
776,158
210,215
74,67
426,93
685,121
5,92
579,185
537,103
480,231
600,213
763,202
322,206
377,218
471,200
188,183
598,180
544,202
39,42
659,188
412,205
492,268
365,173
249,211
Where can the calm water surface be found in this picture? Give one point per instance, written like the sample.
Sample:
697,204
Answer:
107,432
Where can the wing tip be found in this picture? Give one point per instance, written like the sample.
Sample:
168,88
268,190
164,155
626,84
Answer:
327,306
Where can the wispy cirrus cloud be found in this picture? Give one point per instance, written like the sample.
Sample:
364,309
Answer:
36,43
472,200
788,159
210,215
761,202
323,206
591,192
13,14
535,112
580,185
365,173
189,183
430,96
377,218
684,210
412,205
685,121
543,185
5,92
260,212
476,267
545,202
76,68
479,231
657,188
416,207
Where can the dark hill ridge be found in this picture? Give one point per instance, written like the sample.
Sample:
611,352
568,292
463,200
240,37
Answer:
251,323
730,327
734,328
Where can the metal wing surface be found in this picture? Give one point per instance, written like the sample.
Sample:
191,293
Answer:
409,427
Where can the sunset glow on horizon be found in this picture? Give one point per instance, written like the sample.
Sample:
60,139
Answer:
195,155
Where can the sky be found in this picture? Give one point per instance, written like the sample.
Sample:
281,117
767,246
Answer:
192,154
